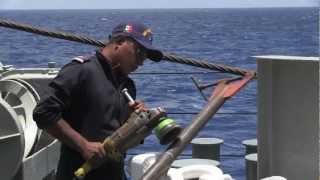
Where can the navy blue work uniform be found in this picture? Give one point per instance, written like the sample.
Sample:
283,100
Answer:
88,96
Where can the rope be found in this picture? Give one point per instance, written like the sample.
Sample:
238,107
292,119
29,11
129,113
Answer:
86,40
59,35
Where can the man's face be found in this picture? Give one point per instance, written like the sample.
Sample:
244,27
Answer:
131,55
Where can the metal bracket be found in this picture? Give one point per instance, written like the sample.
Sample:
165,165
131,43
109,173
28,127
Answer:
202,87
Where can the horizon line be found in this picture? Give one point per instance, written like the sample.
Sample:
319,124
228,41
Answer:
161,8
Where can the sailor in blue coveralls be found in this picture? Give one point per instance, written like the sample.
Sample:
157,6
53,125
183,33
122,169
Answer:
85,104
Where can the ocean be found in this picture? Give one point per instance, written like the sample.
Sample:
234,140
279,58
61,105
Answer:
224,36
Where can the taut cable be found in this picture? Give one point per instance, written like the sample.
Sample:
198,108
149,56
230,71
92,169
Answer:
87,40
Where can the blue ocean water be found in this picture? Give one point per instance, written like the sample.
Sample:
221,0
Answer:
225,36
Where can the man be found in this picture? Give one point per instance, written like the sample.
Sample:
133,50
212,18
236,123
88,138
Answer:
86,105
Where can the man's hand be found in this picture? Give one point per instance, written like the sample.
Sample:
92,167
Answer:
67,135
138,106
89,149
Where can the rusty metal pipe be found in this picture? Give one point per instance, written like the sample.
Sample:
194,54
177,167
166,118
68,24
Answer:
166,159
223,91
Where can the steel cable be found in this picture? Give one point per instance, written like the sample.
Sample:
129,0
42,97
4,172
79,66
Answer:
87,40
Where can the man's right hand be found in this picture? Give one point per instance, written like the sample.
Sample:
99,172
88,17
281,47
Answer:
89,149
67,135
138,106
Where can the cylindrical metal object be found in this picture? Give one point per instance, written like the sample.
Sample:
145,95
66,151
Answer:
52,64
251,166
155,171
206,148
223,91
251,146
126,93
194,161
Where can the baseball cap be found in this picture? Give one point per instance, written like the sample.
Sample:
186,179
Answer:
141,34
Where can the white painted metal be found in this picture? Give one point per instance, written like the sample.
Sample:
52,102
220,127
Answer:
21,158
288,117
21,100
194,161
41,165
45,73
11,141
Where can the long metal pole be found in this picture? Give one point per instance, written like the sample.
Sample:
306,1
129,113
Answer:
177,147
223,91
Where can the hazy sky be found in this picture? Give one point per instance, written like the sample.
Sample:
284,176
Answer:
128,4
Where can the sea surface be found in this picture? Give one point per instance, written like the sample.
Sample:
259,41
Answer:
224,36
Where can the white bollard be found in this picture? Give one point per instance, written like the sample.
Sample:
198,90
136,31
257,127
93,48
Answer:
180,163
210,177
274,178
196,171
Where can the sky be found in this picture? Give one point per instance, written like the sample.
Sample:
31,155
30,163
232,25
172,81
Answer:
142,4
